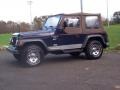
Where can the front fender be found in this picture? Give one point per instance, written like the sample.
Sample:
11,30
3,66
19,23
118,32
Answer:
32,41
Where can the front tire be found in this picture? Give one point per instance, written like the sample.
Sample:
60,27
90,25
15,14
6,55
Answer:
94,49
17,57
32,55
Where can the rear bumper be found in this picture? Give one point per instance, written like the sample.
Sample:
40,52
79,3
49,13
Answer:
13,50
106,45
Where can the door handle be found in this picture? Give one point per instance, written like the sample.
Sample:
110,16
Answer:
54,37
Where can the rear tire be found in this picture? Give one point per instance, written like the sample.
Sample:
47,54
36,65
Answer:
32,55
94,49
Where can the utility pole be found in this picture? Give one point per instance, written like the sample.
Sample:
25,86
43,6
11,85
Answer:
108,24
81,4
30,3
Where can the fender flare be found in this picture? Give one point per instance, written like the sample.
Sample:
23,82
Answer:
34,40
93,36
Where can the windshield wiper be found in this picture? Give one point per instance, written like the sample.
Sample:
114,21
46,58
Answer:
51,26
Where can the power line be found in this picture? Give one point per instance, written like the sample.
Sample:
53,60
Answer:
108,24
30,3
81,4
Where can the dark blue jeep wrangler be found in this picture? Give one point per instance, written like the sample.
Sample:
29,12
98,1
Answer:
63,33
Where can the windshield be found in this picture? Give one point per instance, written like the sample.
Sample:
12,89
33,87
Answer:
52,22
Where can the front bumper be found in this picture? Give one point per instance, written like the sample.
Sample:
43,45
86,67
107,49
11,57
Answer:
13,49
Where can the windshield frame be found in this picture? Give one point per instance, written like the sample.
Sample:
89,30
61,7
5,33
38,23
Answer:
50,17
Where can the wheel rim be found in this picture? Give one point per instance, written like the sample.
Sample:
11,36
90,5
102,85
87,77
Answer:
96,50
33,58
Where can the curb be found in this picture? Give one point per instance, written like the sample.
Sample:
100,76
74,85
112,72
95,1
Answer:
3,48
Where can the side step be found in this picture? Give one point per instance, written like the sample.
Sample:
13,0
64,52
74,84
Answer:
73,50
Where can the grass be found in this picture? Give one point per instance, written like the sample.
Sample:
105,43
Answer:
4,39
113,33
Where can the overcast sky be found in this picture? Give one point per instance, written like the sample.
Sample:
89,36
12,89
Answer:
18,10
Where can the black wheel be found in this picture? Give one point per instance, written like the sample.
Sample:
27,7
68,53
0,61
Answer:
94,49
17,56
75,54
32,55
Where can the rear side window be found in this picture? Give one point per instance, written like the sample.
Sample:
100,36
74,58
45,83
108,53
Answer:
72,22
92,22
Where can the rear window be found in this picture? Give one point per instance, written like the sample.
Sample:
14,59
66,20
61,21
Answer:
92,22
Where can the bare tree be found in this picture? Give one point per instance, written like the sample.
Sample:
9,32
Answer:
38,21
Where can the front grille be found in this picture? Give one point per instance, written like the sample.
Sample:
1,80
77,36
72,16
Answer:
13,40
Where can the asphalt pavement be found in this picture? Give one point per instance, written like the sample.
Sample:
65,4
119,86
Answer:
61,72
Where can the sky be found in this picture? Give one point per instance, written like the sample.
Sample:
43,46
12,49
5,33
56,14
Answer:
19,10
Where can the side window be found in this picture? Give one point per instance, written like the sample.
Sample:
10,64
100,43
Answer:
92,22
71,22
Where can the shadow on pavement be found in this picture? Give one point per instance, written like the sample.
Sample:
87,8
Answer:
49,59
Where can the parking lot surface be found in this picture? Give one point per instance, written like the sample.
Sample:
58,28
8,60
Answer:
61,72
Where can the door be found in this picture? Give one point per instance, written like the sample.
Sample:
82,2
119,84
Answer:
71,37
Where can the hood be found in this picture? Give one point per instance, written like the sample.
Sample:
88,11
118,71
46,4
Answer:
38,33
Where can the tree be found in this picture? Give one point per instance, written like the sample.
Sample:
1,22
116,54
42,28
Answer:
23,27
38,22
3,28
116,17
12,27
